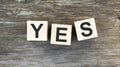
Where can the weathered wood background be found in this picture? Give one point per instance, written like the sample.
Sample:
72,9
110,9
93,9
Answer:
16,51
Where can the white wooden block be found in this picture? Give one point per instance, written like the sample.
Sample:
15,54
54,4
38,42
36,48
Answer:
86,29
61,34
41,27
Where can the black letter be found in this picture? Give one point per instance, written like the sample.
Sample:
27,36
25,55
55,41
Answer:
84,28
58,33
37,30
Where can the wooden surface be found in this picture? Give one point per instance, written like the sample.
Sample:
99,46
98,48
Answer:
16,51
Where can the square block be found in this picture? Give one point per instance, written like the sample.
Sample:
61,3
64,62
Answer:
37,30
86,29
61,34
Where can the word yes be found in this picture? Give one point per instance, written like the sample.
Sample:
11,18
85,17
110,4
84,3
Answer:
61,33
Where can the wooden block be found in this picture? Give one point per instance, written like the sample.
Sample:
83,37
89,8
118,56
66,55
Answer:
37,30
86,29
61,34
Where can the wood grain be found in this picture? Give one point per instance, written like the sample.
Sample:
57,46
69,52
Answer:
16,51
